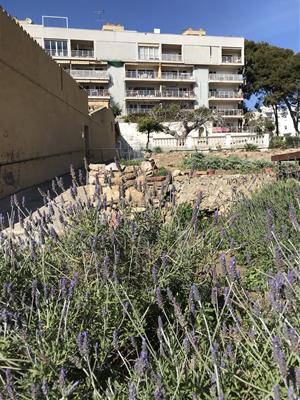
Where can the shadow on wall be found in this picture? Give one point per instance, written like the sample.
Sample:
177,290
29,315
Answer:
125,150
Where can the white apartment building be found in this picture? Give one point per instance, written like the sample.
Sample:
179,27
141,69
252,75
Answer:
140,70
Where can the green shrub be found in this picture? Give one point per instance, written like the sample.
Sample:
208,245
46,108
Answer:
157,150
200,161
162,171
251,147
292,141
133,162
277,143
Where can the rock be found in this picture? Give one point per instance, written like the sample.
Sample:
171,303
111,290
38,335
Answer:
148,166
176,173
129,177
129,184
112,194
156,178
130,169
135,196
97,167
112,167
180,178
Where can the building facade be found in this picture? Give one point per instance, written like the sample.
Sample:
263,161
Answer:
141,70
44,121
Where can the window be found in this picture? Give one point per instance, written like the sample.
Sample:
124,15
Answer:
148,53
58,48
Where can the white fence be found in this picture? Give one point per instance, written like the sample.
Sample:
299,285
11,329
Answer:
136,141
213,142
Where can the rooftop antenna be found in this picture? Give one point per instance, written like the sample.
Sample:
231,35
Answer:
100,16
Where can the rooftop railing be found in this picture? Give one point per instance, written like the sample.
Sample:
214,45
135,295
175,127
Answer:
225,94
226,77
97,92
171,57
231,59
88,73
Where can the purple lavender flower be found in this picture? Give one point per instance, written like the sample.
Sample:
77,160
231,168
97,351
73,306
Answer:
82,343
132,391
154,275
276,391
106,267
279,356
291,392
293,217
159,391
196,294
115,340
142,362
159,297
45,388
186,345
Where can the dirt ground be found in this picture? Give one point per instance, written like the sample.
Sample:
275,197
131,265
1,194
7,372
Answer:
174,159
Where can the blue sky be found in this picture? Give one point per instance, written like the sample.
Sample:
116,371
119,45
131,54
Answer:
275,21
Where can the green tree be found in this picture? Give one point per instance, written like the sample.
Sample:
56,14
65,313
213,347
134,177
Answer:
187,119
272,74
115,108
147,124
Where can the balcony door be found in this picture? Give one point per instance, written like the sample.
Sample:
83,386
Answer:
58,48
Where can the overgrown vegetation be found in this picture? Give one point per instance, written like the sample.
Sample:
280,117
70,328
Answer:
139,308
200,161
251,147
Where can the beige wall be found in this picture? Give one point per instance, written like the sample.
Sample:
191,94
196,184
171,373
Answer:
102,146
42,114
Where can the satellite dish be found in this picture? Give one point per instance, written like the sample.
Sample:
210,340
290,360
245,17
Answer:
28,20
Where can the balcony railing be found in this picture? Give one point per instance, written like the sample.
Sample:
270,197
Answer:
97,92
88,73
224,94
226,77
176,76
233,129
141,74
160,94
229,112
178,93
138,110
59,53
231,59
82,53
171,57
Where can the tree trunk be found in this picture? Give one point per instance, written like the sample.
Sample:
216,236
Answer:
275,111
148,140
293,116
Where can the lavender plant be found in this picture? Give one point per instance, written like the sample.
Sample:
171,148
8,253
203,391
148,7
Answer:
134,307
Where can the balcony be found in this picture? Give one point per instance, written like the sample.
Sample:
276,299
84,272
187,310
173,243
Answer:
82,53
57,53
97,92
176,76
178,93
160,94
141,74
233,129
225,94
171,57
226,77
89,74
231,60
229,112
138,110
